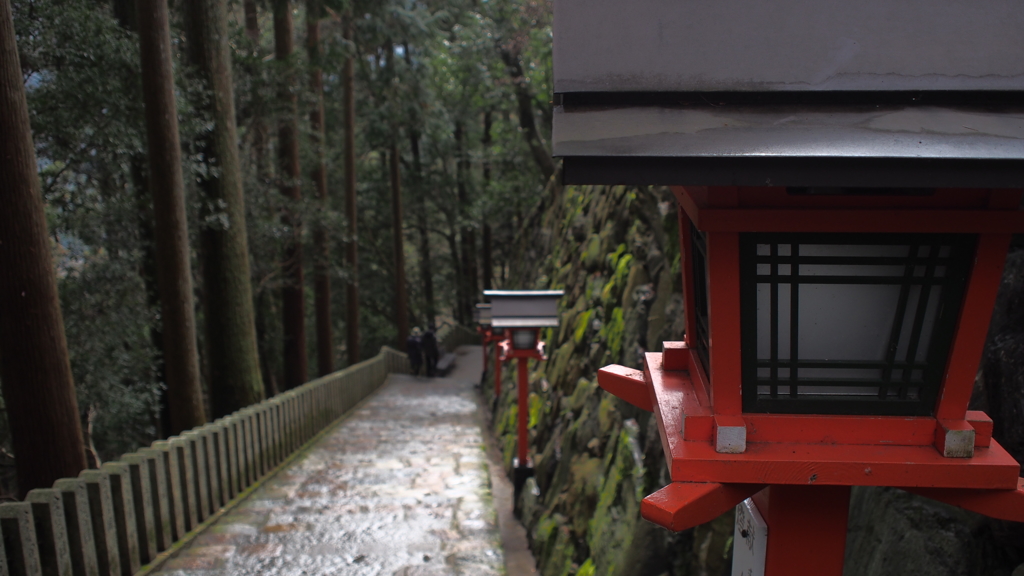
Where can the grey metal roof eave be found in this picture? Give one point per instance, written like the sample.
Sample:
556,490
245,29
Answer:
525,293
899,146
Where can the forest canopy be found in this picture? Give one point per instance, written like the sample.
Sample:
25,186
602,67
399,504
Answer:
451,110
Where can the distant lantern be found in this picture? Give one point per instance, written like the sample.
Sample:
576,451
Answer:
522,313
489,335
847,197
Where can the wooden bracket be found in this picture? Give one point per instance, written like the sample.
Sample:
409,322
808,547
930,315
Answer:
627,384
982,425
1001,504
683,505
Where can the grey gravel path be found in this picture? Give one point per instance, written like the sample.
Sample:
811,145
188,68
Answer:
399,488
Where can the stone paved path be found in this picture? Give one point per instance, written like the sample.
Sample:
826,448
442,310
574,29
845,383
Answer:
399,488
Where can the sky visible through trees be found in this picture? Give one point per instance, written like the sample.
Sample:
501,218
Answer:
451,112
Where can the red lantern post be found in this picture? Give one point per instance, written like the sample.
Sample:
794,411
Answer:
522,314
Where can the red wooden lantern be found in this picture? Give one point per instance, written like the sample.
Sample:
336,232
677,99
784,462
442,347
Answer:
522,314
847,196
832,341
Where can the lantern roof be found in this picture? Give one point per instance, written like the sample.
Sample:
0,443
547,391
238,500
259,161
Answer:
787,45
751,145
524,308
790,93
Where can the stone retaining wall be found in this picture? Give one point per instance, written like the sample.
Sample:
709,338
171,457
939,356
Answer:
116,520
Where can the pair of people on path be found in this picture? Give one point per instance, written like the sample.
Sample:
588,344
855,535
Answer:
422,346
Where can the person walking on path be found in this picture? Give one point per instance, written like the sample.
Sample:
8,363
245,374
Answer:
430,352
414,348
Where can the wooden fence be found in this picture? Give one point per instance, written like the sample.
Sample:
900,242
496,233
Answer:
116,520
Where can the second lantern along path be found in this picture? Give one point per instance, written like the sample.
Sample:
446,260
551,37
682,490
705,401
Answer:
400,487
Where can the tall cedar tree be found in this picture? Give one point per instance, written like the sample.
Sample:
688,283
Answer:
174,272
352,245
398,237
401,293
467,233
296,371
488,267
426,271
38,390
258,131
126,13
230,330
423,244
322,250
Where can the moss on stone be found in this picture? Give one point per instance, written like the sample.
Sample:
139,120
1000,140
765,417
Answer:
508,451
637,277
612,332
536,405
612,529
592,252
584,389
612,260
557,366
582,323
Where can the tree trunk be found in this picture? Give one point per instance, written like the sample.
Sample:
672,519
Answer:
258,129
148,272
296,371
397,221
174,271
321,276
467,233
488,267
46,428
230,328
426,272
352,245
264,306
527,122
252,21
453,246
401,294
264,310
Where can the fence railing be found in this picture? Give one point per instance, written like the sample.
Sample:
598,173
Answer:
116,520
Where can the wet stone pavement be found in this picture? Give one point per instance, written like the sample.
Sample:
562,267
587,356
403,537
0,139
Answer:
399,488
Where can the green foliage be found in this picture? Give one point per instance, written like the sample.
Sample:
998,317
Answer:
536,405
421,69
613,526
612,333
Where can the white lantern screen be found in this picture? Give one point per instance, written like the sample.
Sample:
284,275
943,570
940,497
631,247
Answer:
856,319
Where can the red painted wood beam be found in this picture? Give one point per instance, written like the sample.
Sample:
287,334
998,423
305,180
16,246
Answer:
1002,504
627,384
683,505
